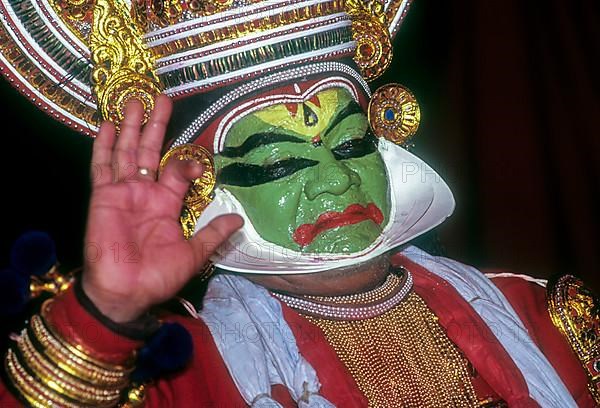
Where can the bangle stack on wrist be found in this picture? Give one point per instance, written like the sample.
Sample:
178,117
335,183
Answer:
49,371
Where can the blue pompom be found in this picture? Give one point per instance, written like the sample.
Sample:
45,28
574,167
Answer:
14,292
168,350
33,253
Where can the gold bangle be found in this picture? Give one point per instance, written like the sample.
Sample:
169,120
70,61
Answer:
78,350
71,363
49,371
36,394
60,381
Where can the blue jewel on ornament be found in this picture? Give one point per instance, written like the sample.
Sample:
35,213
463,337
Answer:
389,115
394,114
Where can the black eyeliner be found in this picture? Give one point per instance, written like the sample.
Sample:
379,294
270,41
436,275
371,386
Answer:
248,175
355,148
257,140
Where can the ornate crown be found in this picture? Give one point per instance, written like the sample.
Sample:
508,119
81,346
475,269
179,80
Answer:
81,60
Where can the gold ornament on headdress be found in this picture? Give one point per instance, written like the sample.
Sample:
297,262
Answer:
165,13
199,195
394,113
373,43
123,67
74,10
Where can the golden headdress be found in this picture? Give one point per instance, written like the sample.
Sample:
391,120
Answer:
81,60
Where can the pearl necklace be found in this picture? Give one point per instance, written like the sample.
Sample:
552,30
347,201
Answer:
346,308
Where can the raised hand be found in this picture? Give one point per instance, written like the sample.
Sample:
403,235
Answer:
136,255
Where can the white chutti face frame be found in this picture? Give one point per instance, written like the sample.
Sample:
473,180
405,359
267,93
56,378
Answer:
420,200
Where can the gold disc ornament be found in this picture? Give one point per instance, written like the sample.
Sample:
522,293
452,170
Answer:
200,194
373,45
394,113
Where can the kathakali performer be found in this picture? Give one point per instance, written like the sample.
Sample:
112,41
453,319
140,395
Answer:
284,187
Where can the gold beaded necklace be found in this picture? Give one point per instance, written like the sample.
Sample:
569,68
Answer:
401,358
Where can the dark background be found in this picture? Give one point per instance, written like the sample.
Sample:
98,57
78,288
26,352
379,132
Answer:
509,92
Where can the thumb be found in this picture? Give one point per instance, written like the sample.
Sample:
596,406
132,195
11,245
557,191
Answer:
206,241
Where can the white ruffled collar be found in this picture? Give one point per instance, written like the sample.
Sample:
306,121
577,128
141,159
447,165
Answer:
420,200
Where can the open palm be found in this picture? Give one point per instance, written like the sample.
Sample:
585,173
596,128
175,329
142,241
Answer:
136,255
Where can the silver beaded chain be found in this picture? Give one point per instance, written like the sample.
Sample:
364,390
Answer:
346,312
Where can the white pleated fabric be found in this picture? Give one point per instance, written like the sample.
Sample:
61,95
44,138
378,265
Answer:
257,345
544,384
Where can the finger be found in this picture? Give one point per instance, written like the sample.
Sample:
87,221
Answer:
102,154
129,135
178,175
148,154
206,241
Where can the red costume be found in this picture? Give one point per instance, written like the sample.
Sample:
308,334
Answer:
205,382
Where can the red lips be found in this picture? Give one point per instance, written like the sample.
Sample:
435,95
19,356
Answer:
353,214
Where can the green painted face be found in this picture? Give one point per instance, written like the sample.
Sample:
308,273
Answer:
308,175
